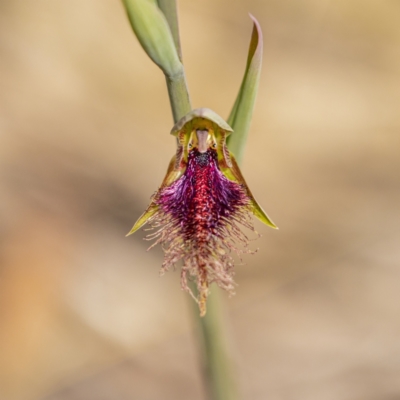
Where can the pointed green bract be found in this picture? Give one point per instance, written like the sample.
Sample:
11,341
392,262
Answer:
240,116
242,110
153,32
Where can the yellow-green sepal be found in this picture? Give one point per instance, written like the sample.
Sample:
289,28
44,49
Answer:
234,174
171,176
258,212
195,117
151,210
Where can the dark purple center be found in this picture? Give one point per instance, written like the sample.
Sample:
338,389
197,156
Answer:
203,199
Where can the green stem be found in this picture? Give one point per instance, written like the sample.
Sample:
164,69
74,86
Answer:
216,359
177,87
178,95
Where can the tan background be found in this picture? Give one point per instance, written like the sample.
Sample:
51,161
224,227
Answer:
84,122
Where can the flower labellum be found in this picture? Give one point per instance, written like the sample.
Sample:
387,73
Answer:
198,211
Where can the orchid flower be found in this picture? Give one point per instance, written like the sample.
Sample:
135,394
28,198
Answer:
198,213
203,201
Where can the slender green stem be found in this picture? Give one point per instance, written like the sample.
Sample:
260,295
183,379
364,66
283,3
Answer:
217,362
178,95
177,87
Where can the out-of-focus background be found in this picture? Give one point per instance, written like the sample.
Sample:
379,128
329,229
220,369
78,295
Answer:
84,123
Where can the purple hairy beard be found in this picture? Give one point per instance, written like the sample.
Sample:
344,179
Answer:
198,221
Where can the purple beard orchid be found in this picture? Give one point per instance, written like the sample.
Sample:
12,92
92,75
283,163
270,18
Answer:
198,211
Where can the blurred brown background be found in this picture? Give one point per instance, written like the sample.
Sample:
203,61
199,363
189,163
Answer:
84,122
